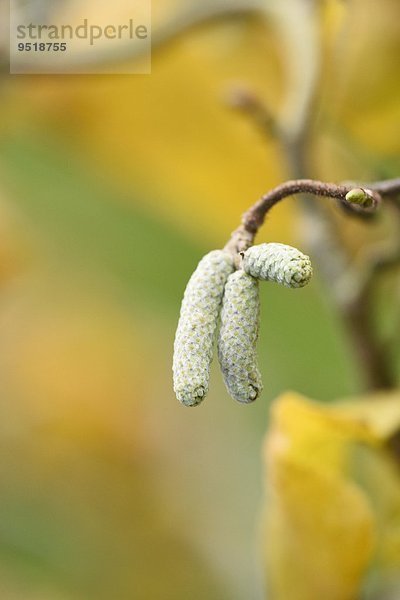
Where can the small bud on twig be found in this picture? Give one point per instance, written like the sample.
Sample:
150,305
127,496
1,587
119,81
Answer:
361,197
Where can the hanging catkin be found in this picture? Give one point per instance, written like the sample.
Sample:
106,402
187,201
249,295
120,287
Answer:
238,336
278,262
198,320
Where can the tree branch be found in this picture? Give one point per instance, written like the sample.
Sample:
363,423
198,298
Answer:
252,220
241,98
355,306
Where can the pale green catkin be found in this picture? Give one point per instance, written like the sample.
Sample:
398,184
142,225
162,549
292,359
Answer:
238,336
278,262
193,348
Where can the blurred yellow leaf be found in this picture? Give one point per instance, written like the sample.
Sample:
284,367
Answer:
171,133
15,249
72,357
363,81
325,522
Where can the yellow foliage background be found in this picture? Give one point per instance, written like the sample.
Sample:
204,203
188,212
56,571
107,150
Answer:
112,187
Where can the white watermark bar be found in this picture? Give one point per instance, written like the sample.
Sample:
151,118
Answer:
48,37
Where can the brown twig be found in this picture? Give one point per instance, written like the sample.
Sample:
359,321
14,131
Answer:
357,312
252,220
389,187
242,98
377,369
373,352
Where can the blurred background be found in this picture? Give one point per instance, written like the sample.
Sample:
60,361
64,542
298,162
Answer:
112,187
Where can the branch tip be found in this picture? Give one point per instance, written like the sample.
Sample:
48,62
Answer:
359,201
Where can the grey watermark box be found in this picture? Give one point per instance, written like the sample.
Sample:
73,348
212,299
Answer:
72,37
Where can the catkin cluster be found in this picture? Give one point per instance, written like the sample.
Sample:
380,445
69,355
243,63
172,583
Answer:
194,340
216,291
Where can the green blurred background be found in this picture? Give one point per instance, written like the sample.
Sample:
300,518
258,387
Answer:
111,190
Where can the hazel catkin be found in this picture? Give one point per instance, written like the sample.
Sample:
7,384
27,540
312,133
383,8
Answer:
193,347
278,262
238,336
